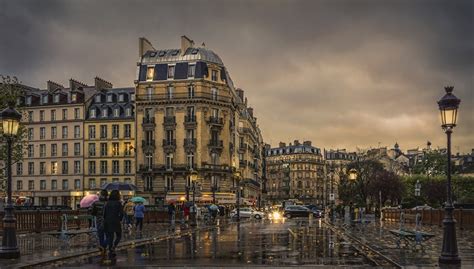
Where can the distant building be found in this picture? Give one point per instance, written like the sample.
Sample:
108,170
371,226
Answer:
336,166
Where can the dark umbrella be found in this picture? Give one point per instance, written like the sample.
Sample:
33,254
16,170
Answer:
120,186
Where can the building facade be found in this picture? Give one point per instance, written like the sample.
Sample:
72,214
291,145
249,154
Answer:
187,118
295,172
336,167
110,138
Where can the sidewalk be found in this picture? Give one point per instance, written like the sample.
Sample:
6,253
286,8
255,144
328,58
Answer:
377,236
42,248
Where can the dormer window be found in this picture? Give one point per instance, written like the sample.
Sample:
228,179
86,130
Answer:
56,98
121,97
109,98
132,97
45,99
128,112
28,101
191,70
104,113
214,75
170,71
93,113
98,98
74,97
150,71
116,112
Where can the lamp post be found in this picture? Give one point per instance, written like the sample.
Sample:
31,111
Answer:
448,106
10,121
237,178
417,190
352,178
193,177
331,195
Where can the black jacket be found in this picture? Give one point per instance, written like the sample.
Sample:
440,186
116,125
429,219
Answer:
113,214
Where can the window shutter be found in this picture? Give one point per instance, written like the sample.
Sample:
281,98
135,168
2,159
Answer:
201,70
142,73
181,71
161,72
223,74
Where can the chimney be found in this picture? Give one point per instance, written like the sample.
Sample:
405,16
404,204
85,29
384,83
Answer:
51,85
74,85
143,46
297,142
250,110
186,43
282,145
307,143
240,93
100,84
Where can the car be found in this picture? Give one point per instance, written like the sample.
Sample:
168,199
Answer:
316,212
247,212
422,207
293,211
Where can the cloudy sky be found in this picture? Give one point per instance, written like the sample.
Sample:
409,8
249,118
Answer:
343,74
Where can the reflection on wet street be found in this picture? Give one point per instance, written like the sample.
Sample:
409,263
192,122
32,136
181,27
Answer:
293,242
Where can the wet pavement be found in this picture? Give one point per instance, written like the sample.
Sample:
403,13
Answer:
288,243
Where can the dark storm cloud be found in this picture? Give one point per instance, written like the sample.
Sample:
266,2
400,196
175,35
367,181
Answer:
341,73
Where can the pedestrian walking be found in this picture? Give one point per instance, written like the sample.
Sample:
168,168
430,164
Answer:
128,209
97,210
139,216
171,212
186,212
113,214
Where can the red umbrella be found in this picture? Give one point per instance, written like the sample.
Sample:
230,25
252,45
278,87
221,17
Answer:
88,200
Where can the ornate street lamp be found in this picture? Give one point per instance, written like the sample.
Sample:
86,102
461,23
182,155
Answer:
193,175
352,178
237,176
448,106
9,121
352,174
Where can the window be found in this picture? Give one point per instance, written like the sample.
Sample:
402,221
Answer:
77,149
77,167
64,131
103,149
77,115
115,167
149,160
132,97
214,158
214,94
121,97
191,91
77,184
191,69
115,179
65,185
115,131
54,184
127,130
43,150
169,183
98,98
91,131
42,184
44,99
65,149
91,149
77,131
214,75
127,167
54,168
91,167
127,180
115,149
19,169
42,168
31,185
92,183
30,116
53,115
103,131
190,113
65,114
116,112
28,100
127,148
128,112
169,111
215,113
42,132
30,133
31,168
92,113
54,150
169,92
54,132
110,98
149,73
169,161
103,167
41,115
74,97
65,168
105,112
31,151
148,183
56,98
170,71
149,92
19,185
190,159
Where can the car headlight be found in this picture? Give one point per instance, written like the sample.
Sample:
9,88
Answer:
276,215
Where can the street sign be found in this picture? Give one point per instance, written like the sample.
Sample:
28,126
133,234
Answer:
331,196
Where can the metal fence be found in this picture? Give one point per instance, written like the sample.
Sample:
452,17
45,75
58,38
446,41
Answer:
463,217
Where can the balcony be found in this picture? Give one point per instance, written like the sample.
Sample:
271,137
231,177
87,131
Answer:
198,96
148,123
148,145
190,121
242,148
216,145
216,122
169,145
169,121
190,144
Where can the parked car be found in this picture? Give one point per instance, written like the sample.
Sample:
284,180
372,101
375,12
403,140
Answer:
316,211
247,212
422,207
293,211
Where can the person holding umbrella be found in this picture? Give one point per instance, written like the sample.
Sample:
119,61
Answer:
139,214
113,215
